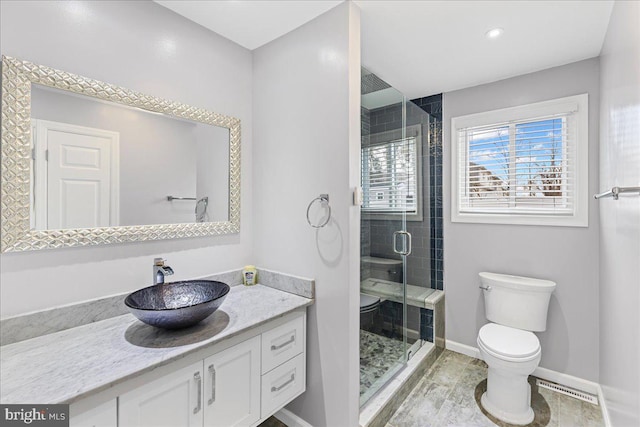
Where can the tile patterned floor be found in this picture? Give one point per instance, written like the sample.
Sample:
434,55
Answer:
377,355
448,394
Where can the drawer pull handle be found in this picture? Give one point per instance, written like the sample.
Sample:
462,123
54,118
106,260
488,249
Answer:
280,387
198,379
278,347
212,371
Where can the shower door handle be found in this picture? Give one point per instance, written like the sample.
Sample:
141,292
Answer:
407,243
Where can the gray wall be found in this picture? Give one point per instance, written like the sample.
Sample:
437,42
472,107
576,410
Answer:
620,220
147,48
307,127
567,255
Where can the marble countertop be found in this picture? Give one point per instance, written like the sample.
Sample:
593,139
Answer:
67,366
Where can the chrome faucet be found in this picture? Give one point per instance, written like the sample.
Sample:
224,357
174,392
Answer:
160,271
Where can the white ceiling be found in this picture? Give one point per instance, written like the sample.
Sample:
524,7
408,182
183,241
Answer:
428,47
250,23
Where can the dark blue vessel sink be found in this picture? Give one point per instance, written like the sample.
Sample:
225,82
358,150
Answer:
177,305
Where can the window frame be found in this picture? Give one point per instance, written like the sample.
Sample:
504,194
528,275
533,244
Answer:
413,131
579,106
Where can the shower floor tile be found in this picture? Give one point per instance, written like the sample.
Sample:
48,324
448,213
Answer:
377,355
449,395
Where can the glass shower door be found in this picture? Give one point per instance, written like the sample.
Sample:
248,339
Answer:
395,220
385,241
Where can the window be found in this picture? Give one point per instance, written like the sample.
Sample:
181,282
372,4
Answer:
522,165
391,176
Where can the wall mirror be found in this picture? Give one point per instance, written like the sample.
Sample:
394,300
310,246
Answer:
85,162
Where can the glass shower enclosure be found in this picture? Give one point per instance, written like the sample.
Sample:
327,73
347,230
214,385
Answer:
394,153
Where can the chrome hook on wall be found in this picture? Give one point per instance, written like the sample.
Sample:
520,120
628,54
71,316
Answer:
323,199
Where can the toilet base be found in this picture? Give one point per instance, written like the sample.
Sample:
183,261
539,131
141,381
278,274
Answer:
508,417
508,395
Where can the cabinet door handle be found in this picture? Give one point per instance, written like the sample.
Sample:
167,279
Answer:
198,380
212,371
278,347
280,387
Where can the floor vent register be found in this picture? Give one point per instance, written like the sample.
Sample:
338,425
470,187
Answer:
568,391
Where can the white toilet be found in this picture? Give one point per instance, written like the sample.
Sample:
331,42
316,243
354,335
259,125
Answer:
368,303
516,306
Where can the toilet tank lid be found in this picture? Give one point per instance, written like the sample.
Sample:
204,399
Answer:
517,282
372,260
509,342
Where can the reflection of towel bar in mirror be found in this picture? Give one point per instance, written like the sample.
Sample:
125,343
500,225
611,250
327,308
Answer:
172,198
201,206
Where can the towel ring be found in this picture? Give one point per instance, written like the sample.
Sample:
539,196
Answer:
322,198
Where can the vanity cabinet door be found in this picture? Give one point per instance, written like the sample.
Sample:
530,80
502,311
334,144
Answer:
104,415
232,386
173,400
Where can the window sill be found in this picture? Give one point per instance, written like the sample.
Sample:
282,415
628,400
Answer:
520,219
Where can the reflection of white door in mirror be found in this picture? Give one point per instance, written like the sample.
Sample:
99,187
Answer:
76,172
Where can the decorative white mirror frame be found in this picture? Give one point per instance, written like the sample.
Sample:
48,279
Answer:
17,235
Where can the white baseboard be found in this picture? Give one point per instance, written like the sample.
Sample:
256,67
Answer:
540,372
291,419
467,350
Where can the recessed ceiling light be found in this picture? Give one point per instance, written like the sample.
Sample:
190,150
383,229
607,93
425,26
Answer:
494,33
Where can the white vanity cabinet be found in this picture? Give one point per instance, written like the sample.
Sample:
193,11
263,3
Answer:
221,391
173,400
232,386
102,415
239,384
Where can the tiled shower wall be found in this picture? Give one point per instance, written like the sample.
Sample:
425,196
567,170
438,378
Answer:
424,265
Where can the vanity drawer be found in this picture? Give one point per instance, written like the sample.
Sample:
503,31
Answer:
282,384
282,343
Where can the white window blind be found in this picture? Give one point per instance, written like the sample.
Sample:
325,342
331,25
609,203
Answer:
389,177
520,166
532,163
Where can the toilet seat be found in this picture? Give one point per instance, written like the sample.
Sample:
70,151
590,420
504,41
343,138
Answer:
509,344
368,303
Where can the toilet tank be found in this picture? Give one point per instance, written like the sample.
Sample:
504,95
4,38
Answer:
384,268
519,302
